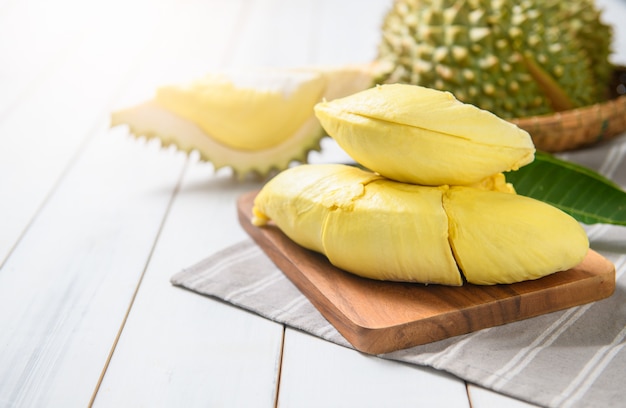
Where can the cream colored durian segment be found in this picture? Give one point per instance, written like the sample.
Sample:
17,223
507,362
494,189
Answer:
496,182
299,199
394,232
256,109
364,224
151,120
505,238
424,136
247,110
434,110
258,121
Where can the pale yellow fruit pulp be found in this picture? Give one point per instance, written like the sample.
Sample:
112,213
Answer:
381,229
504,238
363,223
250,110
259,121
423,136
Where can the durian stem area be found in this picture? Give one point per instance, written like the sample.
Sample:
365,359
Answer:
557,97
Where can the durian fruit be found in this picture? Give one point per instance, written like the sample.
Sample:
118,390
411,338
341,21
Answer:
255,121
381,229
513,58
507,238
424,136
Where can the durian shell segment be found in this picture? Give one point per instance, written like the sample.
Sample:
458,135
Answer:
380,229
269,105
424,136
258,121
489,52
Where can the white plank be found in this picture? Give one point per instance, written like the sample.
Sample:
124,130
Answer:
35,37
41,134
190,350
67,286
317,373
197,359
53,298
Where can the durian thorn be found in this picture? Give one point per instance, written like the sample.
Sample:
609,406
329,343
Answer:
557,97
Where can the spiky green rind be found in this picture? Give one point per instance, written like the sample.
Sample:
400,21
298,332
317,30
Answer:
596,39
481,50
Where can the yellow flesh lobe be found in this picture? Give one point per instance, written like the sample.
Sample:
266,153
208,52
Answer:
162,119
386,230
395,232
298,199
428,136
364,224
496,182
250,111
505,238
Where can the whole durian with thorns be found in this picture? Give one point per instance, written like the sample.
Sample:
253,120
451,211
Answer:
513,58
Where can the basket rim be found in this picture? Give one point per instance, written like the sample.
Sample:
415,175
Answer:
596,111
582,126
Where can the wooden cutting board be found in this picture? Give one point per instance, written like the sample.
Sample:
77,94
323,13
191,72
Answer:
379,317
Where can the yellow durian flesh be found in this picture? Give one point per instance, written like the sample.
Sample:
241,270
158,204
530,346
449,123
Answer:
495,182
428,137
505,238
299,199
394,232
381,229
276,105
153,121
261,123
365,224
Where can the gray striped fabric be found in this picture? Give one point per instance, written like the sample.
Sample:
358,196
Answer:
572,358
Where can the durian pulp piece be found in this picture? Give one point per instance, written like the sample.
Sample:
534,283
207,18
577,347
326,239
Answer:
381,229
299,198
423,136
257,121
363,223
505,238
269,105
495,182
411,235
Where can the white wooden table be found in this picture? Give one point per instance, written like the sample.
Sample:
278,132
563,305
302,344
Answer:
94,223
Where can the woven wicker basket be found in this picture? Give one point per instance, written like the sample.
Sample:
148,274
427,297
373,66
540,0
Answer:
581,127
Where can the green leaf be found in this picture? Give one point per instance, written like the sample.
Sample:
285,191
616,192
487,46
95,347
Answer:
579,191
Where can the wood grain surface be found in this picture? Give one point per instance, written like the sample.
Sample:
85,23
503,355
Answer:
379,317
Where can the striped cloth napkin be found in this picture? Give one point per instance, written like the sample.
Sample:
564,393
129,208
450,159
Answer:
571,358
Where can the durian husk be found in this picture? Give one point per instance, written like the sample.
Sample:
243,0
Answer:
577,128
